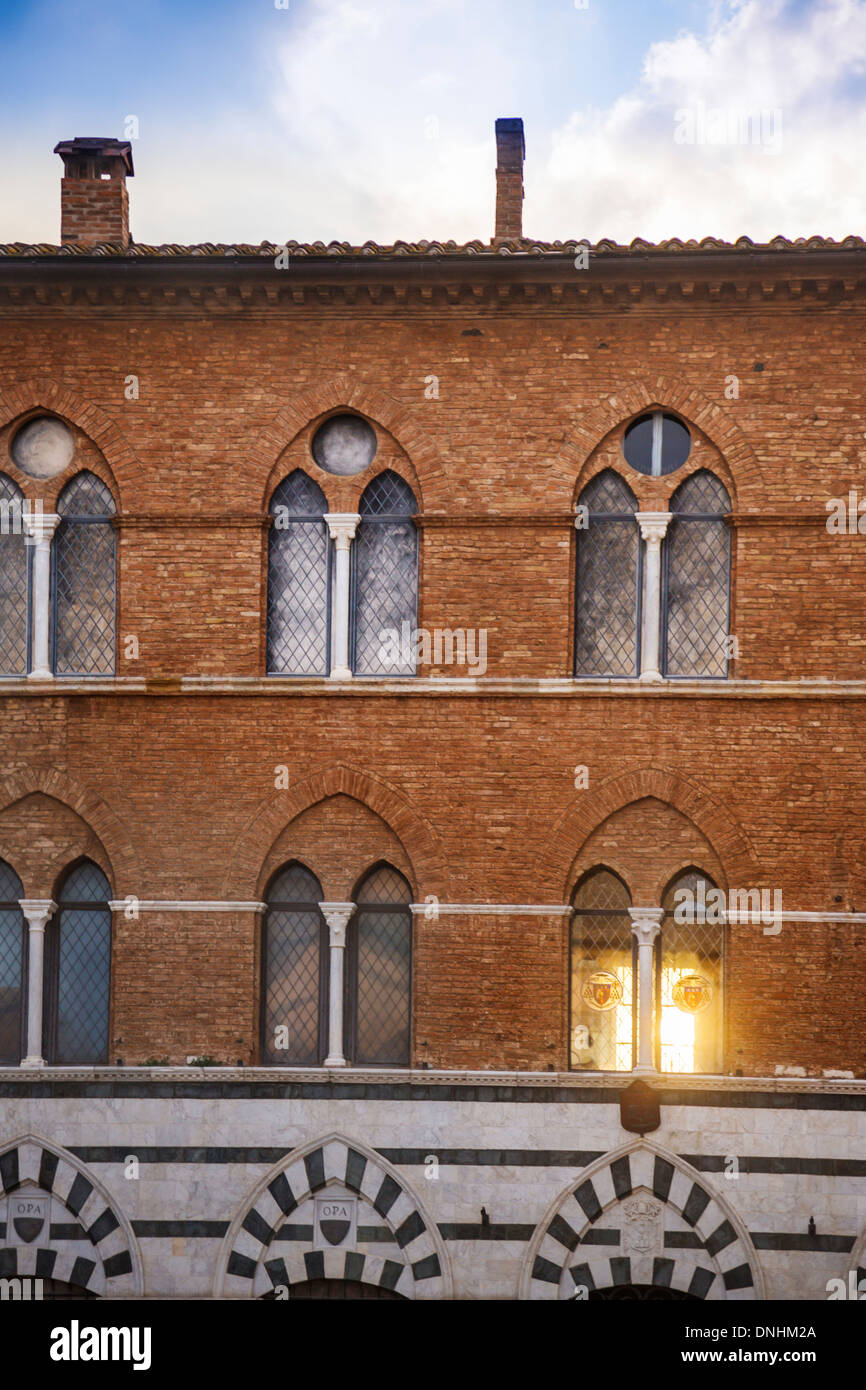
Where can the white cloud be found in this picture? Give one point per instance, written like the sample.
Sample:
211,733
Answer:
621,173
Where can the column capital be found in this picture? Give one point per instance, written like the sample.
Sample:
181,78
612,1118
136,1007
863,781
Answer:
37,911
342,527
337,917
646,923
38,525
653,525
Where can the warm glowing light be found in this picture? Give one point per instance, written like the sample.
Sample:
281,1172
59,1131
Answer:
677,1028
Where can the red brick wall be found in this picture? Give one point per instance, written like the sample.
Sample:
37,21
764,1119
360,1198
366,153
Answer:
476,793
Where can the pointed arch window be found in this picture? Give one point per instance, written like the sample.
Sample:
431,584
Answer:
696,579
603,997
690,968
379,971
78,967
607,611
294,971
84,579
13,955
385,578
299,580
14,581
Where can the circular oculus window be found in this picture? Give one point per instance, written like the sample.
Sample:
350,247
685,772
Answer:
656,444
43,447
344,445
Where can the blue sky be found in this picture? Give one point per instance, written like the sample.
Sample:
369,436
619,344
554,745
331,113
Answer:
356,119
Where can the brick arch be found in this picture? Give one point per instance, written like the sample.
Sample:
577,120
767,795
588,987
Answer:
96,813
276,812
100,1253
26,396
563,1257
588,810
400,420
250,1265
664,393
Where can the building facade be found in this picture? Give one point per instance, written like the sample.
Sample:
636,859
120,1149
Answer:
432,821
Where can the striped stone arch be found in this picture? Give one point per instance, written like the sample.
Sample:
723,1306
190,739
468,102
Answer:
641,1215
86,1239
270,1244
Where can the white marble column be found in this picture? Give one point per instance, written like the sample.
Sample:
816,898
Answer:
39,528
653,526
645,925
337,917
342,527
36,912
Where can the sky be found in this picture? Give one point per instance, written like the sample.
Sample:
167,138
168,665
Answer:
356,120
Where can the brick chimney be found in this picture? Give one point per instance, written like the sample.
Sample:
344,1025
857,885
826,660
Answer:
510,152
94,203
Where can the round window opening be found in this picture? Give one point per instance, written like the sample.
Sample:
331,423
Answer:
43,447
344,445
656,444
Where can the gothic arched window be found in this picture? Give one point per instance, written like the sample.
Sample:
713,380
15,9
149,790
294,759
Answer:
294,971
12,958
379,971
603,1021
697,579
84,579
690,975
299,582
607,610
385,561
14,576
78,969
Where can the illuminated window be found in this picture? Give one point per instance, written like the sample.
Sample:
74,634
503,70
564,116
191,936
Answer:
603,1018
690,977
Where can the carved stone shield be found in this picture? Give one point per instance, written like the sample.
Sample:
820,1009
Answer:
642,1228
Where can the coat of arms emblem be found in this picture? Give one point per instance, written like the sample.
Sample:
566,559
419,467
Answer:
692,994
602,991
642,1228
335,1219
28,1214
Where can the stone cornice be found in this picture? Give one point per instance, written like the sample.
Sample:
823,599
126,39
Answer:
367,687
614,1082
639,277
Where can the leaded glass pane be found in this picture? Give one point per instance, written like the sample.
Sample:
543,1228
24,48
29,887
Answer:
13,581
608,576
11,965
84,580
690,976
385,554
298,581
294,961
83,955
697,569
383,924
602,976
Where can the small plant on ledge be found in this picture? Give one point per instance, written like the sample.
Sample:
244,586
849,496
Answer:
156,1062
203,1062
